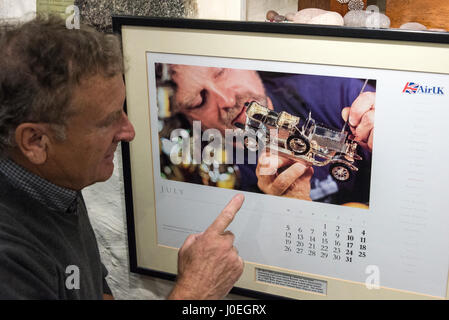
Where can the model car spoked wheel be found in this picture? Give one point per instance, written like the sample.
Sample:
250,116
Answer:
340,172
298,144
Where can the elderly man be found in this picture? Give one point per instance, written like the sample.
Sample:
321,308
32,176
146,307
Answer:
61,118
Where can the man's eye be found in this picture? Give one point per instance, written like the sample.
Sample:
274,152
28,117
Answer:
203,100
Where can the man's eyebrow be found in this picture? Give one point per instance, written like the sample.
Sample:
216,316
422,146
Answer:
111,118
219,73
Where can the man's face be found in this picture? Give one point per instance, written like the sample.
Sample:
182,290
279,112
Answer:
216,96
92,134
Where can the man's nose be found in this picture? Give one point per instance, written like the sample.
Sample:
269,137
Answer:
126,132
225,97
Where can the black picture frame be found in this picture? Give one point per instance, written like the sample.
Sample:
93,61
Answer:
118,21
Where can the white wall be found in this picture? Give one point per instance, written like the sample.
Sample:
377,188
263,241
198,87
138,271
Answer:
251,10
219,9
17,9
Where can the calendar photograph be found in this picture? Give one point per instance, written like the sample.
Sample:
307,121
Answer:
301,136
284,115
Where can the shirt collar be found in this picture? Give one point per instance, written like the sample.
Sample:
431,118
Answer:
53,196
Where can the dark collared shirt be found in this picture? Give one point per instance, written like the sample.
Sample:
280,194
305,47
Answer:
48,249
43,191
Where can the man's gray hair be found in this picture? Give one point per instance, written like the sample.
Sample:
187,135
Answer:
41,63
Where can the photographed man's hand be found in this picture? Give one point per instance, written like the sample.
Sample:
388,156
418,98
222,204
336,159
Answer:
361,119
281,176
208,263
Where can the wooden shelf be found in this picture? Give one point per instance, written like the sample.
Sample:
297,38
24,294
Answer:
431,13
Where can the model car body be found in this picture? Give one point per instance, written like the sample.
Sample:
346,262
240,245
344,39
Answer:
316,144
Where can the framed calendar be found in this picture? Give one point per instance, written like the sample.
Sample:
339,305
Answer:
367,219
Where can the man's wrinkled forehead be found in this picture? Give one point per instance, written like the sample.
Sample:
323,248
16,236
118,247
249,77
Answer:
188,76
181,69
193,84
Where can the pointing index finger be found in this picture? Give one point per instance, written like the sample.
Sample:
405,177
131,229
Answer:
226,216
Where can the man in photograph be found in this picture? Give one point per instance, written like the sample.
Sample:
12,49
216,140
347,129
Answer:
217,97
61,119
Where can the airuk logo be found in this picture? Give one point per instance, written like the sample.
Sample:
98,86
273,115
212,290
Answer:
415,88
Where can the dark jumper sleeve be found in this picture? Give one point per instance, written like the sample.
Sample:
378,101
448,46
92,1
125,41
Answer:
26,274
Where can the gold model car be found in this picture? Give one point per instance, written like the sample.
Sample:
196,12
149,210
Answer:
311,142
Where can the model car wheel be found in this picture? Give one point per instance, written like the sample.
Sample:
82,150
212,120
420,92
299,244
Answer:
298,144
340,172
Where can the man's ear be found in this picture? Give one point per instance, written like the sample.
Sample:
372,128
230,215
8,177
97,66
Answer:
32,140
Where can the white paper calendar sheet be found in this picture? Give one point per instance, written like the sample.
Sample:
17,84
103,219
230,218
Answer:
404,232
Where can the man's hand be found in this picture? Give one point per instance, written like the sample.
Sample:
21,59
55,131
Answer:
281,176
208,263
361,119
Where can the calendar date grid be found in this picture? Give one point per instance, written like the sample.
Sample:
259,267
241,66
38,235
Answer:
331,242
